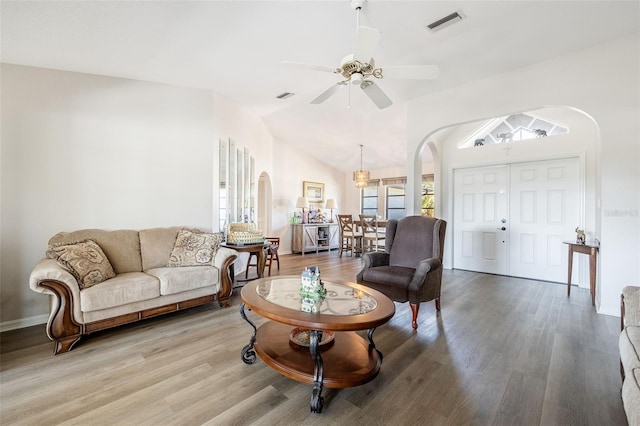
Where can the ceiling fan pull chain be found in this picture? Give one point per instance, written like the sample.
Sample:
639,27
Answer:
349,102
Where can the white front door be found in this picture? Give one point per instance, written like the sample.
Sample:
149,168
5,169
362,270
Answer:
512,219
544,211
480,214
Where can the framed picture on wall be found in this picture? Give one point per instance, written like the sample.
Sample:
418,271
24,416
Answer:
314,191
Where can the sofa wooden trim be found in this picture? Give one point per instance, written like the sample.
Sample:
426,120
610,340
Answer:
66,332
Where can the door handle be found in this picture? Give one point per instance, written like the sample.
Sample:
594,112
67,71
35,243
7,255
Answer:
502,229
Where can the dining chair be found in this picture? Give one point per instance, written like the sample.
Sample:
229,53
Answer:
350,238
272,252
371,234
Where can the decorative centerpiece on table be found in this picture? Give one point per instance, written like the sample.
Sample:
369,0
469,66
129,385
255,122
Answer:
316,216
312,291
242,234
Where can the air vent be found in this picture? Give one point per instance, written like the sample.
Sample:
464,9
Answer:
284,95
446,21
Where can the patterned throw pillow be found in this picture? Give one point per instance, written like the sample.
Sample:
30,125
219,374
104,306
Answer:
85,260
194,248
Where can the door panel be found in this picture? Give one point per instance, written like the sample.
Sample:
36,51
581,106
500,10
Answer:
481,203
544,211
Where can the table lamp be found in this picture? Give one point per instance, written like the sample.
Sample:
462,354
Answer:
331,204
302,203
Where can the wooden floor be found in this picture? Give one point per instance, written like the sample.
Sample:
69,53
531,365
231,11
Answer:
503,351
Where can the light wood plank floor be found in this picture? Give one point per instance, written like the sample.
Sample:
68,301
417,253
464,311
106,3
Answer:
503,351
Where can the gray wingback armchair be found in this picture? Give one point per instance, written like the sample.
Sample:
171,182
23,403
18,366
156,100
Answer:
411,268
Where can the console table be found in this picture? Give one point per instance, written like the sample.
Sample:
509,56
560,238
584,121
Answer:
308,237
592,250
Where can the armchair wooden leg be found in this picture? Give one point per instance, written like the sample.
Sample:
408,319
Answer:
437,303
414,313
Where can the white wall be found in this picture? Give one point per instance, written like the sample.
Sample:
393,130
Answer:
602,81
286,166
85,151
291,168
231,122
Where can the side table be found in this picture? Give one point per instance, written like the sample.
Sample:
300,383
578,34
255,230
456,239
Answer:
590,248
259,250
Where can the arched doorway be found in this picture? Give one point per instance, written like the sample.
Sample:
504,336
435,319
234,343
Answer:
580,144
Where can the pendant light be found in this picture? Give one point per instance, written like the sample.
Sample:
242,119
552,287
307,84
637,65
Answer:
361,177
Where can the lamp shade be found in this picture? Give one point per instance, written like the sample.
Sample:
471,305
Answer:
361,177
331,204
302,203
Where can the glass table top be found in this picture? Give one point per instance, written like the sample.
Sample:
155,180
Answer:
340,299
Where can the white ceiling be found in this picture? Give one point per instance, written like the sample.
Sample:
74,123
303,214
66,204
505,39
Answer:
235,48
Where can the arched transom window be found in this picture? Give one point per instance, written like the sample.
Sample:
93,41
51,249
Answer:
513,128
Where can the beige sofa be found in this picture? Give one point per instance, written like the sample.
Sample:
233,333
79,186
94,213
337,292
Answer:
134,282
629,344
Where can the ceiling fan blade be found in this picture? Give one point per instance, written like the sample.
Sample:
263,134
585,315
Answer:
299,65
416,72
366,42
375,93
326,94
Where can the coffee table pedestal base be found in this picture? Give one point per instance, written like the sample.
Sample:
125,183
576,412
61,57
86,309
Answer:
349,360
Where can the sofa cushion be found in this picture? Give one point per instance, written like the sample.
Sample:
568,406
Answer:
631,295
122,247
85,260
629,344
176,280
122,289
631,396
194,248
156,245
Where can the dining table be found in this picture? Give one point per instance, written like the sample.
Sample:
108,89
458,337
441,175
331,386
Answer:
382,223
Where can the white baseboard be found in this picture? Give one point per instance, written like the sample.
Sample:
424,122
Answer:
614,312
23,322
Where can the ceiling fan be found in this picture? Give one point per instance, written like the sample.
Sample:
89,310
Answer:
359,67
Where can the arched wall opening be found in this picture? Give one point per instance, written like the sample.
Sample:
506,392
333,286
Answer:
583,142
602,81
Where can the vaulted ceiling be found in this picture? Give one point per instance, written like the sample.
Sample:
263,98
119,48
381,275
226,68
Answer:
235,48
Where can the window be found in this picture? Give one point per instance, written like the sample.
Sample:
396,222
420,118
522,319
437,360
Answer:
516,127
370,200
395,201
428,200
223,209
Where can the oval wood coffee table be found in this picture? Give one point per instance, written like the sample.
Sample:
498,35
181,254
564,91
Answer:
333,355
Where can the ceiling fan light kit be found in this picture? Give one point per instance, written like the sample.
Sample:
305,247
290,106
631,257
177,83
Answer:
359,67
